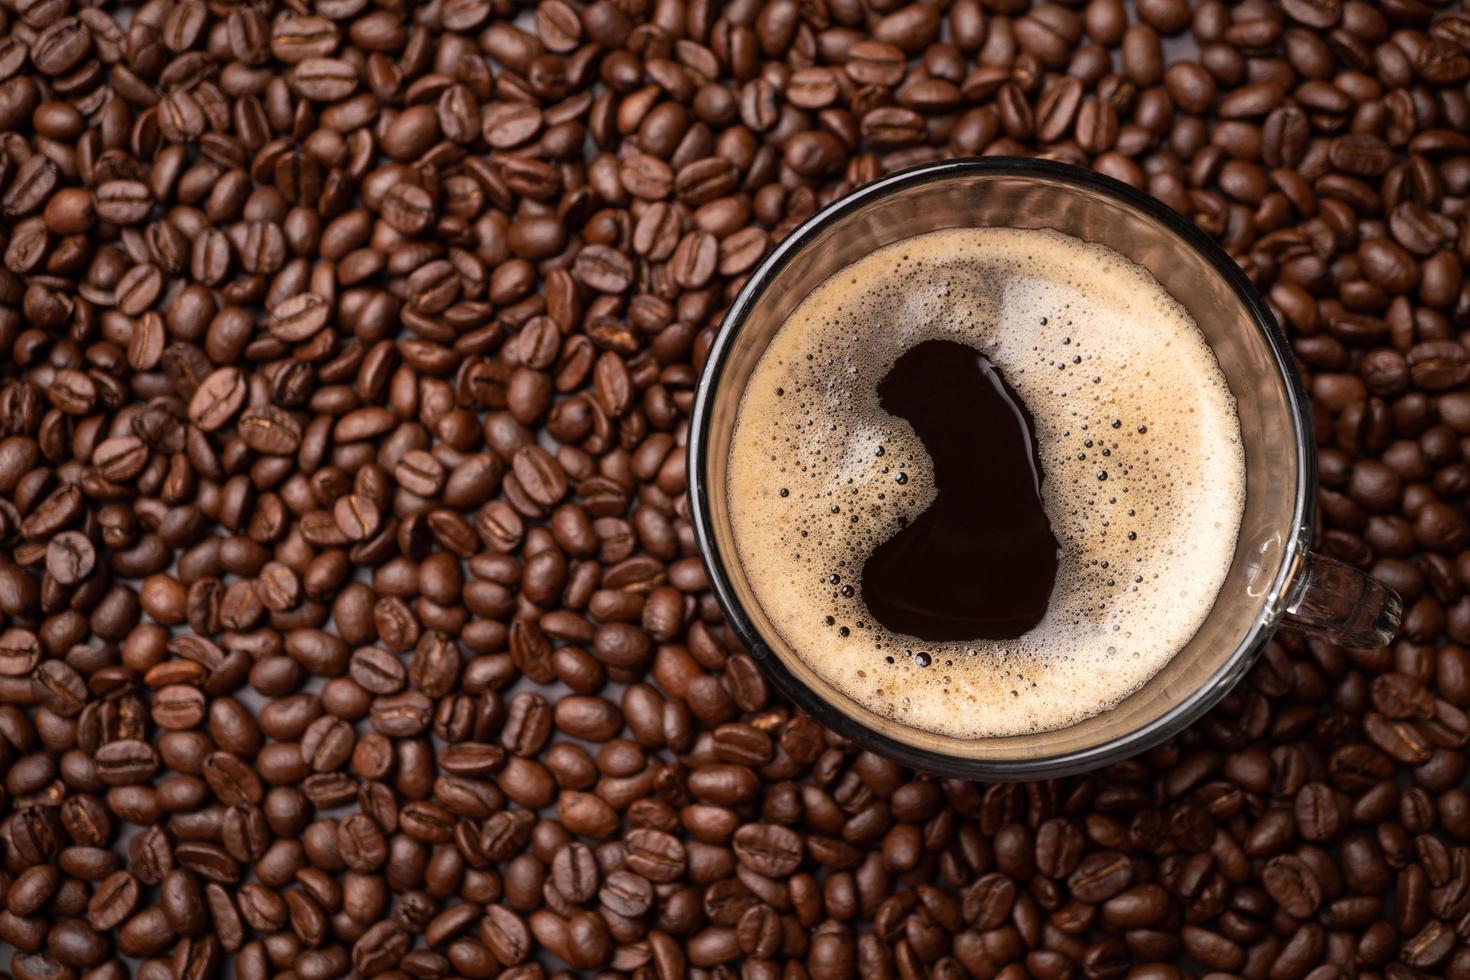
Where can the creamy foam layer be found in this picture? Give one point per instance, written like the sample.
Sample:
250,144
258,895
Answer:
1144,474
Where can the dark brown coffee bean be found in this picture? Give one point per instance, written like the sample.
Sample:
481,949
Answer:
299,317
574,873
1292,885
655,855
269,430
323,79
768,849
70,557
57,686
218,399
603,269
123,202
114,901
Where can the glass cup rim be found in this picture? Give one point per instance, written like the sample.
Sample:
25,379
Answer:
1295,539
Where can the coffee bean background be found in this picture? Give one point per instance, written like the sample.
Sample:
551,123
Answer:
353,623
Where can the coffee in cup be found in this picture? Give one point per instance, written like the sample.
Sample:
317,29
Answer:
987,481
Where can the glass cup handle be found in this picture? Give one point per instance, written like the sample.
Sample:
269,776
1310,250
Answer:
1342,604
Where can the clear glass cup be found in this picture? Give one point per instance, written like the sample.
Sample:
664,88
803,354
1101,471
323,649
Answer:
1273,580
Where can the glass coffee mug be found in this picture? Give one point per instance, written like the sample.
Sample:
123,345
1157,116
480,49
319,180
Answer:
1273,578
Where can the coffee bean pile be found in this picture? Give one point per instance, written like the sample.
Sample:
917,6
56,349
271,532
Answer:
353,623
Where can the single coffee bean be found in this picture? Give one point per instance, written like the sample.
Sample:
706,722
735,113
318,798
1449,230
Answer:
218,399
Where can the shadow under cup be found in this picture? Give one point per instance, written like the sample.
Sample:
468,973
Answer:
1275,427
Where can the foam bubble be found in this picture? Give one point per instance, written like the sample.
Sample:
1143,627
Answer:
1139,443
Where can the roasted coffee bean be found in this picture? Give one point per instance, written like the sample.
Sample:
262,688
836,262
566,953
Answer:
114,901
769,850
217,399
123,202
